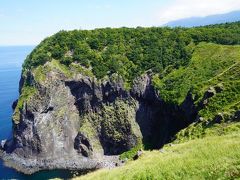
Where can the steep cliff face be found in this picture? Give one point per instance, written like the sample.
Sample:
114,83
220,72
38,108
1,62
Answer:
66,118
72,120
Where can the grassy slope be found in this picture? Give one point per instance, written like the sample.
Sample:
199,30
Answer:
214,157
217,154
210,65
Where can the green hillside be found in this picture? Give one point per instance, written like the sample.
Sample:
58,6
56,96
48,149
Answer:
183,61
221,71
178,57
129,51
199,67
214,157
208,148
214,68
210,65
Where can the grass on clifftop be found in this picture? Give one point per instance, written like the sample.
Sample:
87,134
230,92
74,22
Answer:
214,157
129,51
211,65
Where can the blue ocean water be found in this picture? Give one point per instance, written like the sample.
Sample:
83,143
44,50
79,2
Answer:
11,59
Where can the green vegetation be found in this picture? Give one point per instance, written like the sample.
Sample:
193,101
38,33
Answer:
82,70
115,122
205,129
129,155
127,51
211,65
214,68
26,93
184,60
61,68
114,117
214,157
89,130
202,62
40,73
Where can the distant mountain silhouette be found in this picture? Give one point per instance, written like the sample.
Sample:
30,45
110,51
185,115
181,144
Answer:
201,21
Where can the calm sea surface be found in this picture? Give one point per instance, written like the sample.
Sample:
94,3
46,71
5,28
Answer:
11,59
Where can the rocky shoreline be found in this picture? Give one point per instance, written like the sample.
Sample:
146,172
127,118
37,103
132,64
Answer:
30,166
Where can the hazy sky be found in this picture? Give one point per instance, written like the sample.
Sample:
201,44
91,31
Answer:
26,22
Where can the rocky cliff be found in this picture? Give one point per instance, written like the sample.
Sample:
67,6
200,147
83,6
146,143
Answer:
65,118
88,96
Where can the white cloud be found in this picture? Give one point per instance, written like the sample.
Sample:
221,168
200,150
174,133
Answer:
179,9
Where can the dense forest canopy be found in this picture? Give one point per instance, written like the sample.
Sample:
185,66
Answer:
130,51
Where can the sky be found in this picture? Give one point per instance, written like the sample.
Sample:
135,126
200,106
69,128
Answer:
28,22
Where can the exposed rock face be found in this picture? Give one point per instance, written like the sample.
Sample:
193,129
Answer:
80,123
82,145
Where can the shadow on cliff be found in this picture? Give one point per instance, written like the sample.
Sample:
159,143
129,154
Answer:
159,121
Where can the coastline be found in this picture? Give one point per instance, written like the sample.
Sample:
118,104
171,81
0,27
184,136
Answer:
30,166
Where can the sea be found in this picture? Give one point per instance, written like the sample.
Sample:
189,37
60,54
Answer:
11,59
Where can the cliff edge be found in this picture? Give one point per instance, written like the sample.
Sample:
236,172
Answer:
87,97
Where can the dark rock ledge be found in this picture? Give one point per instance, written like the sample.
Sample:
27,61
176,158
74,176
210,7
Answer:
30,166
